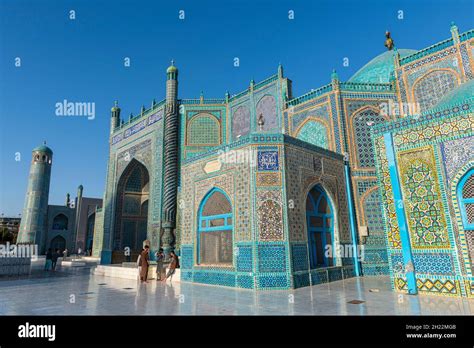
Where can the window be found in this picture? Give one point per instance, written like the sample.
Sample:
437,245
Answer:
60,222
319,219
466,199
215,229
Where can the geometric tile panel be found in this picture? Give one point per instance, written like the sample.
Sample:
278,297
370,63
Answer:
246,282
244,259
271,258
215,278
186,257
273,281
300,257
429,263
424,207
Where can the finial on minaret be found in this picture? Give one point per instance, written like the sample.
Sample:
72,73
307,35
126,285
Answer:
455,33
201,97
172,62
44,142
389,43
280,70
334,75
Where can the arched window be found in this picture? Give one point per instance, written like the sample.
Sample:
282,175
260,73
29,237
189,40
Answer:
315,133
432,87
362,123
320,223
60,222
466,199
240,122
267,107
203,129
215,225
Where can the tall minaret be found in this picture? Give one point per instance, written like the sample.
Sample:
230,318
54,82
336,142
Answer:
171,143
114,117
33,221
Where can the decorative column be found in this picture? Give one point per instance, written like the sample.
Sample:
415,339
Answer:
171,146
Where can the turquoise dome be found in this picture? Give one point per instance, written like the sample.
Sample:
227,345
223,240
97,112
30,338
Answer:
43,148
379,69
457,96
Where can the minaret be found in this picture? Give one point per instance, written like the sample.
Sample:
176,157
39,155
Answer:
115,117
33,222
170,178
78,206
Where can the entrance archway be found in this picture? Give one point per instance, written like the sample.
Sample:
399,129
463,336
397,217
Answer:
58,242
131,212
320,225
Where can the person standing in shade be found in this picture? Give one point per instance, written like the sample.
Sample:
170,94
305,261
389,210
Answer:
144,263
49,257
159,264
139,265
54,259
173,265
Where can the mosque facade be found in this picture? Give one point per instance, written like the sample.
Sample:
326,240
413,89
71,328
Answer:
266,190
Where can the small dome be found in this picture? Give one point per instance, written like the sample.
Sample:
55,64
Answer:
457,96
379,69
115,107
43,148
171,69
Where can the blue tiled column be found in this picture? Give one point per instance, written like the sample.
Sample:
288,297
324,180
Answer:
401,217
352,220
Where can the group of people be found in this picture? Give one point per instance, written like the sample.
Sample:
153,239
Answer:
143,263
51,259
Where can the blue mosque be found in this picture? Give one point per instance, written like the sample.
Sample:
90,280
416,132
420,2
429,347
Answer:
266,190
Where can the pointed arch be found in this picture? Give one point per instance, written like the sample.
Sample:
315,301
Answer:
215,229
130,223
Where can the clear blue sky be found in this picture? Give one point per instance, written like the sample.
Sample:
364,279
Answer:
82,60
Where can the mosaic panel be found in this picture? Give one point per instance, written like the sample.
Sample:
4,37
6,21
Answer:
321,112
266,106
270,220
240,122
431,88
465,61
203,129
301,280
393,231
428,263
244,259
273,281
267,160
271,258
245,281
214,278
268,179
362,124
456,153
424,208
187,258
299,256
315,133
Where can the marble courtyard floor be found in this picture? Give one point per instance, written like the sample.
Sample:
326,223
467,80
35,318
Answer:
80,293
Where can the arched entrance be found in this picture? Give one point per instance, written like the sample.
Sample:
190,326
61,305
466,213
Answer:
58,242
90,231
320,225
215,226
131,212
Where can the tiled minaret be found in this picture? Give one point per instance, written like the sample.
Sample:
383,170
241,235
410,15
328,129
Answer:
33,222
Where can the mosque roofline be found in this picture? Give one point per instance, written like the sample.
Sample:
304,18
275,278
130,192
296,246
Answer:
436,47
257,138
446,110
